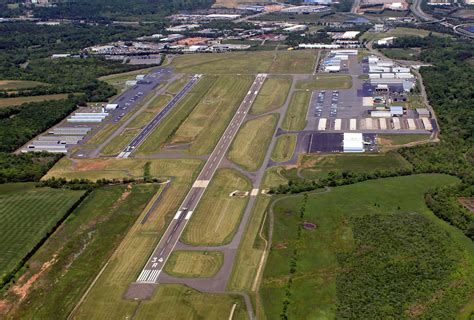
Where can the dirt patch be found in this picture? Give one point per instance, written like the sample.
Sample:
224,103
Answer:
280,246
123,196
309,226
239,194
4,306
467,202
91,165
385,142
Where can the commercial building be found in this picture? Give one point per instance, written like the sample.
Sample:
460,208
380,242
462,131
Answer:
75,131
423,112
353,142
396,111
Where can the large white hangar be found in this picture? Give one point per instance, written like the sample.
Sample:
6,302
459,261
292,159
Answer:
353,142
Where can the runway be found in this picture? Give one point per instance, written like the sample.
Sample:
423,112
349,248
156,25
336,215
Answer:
148,129
154,266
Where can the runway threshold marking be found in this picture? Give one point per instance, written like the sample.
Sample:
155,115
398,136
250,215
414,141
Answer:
173,232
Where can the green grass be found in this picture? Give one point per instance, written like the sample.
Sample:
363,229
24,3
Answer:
400,139
317,166
80,248
27,214
218,214
272,95
284,148
295,117
177,85
326,81
401,54
291,17
7,102
318,287
251,142
250,62
13,85
399,32
164,132
194,264
207,122
118,143
118,80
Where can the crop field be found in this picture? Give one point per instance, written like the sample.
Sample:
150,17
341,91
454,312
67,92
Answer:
218,214
207,122
295,117
284,148
399,32
317,166
194,264
272,95
7,102
80,248
27,214
286,62
180,302
326,81
373,255
105,299
163,133
14,85
251,142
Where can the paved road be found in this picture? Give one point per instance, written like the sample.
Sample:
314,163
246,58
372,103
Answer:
160,255
148,129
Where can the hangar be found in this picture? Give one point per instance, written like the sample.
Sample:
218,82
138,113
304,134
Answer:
353,142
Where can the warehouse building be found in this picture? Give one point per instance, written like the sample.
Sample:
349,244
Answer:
353,142
423,112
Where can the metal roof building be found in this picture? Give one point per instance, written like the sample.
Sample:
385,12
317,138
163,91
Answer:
353,142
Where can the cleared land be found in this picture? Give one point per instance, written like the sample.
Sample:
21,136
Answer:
207,122
251,143
7,102
78,250
326,81
218,214
402,54
175,118
295,117
194,264
272,95
284,148
27,214
14,85
374,254
399,139
399,32
287,62
317,166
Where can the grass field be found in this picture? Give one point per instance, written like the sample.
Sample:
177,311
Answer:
27,214
253,62
326,81
284,148
207,122
78,250
7,102
295,117
118,80
251,143
399,139
14,85
194,264
291,17
390,263
401,54
317,166
272,95
218,214
176,116
177,85
399,32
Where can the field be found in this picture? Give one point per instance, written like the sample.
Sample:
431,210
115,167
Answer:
14,85
285,62
401,54
399,32
78,250
272,95
372,256
317,166
291,17
295,117
194,264
218,214
177,85
399,139
27,214
118,80
175,117
326,81
206,123
7,102
284,148
251,143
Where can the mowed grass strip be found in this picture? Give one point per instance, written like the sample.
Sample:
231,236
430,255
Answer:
251,142
13,85
218,214
326,81
168,126
284,148
400,32
295,117
207,122
7,102
314,285
27,214
272,95
194,264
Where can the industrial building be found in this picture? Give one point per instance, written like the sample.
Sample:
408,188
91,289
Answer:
353,142
75,131
423,112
